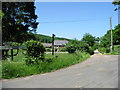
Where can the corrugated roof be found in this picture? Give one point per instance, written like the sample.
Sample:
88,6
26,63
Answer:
56,42
47,44
60,42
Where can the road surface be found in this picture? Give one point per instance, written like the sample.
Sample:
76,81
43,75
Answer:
99,71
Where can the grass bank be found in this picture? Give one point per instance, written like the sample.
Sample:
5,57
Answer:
106,51
14,69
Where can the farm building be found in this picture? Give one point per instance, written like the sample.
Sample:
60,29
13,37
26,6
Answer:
57,44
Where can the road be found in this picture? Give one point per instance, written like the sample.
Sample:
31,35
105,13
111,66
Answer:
99,71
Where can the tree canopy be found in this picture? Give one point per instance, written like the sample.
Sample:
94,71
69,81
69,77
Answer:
106,39
116,2
89,39
18,21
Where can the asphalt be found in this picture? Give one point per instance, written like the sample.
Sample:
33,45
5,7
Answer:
99,71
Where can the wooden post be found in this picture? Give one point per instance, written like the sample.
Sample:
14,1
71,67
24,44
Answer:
53,44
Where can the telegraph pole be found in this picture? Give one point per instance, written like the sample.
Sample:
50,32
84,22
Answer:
111,48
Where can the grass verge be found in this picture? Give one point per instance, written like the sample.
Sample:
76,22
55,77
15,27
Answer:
13,69
116,50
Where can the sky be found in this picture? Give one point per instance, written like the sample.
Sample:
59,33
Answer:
73,19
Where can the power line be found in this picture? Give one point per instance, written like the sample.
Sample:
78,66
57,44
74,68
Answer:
71,21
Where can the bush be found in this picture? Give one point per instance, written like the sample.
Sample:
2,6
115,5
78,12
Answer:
71,49
48,49
104,50
91,50
63,49
34,51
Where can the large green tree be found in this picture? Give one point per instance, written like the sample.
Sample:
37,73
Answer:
89,39
18,21
116,34
105,41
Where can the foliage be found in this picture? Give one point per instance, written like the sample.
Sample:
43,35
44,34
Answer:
1,14
104,50
34,51
46,39
116,34
71,46
89,39
116,2
79,46
11,44
20,69
48,49
91,50
105,41
82,46
63,49
116,50
18,20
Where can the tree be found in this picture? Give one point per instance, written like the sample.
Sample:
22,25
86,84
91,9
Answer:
116,34
18,21
105,40
72,46
89,39
117,28
116,2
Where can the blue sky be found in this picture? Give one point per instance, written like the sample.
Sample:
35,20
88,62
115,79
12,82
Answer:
74,19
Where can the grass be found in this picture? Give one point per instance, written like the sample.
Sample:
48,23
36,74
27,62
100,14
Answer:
18,67
116,50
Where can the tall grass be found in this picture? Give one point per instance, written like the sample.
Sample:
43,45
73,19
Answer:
13,69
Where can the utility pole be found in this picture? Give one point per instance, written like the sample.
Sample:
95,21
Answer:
53,35
111,48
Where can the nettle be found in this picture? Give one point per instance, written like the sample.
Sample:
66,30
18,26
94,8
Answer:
34,51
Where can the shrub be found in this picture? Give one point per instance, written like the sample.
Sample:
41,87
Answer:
91,50
48,49
34,51
107,50
102,49
63,49
71,48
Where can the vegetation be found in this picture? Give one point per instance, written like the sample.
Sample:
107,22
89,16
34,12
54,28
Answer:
105,41
19,24
13,69
116,50
18,21
46,39
87,44
116,2
34,51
